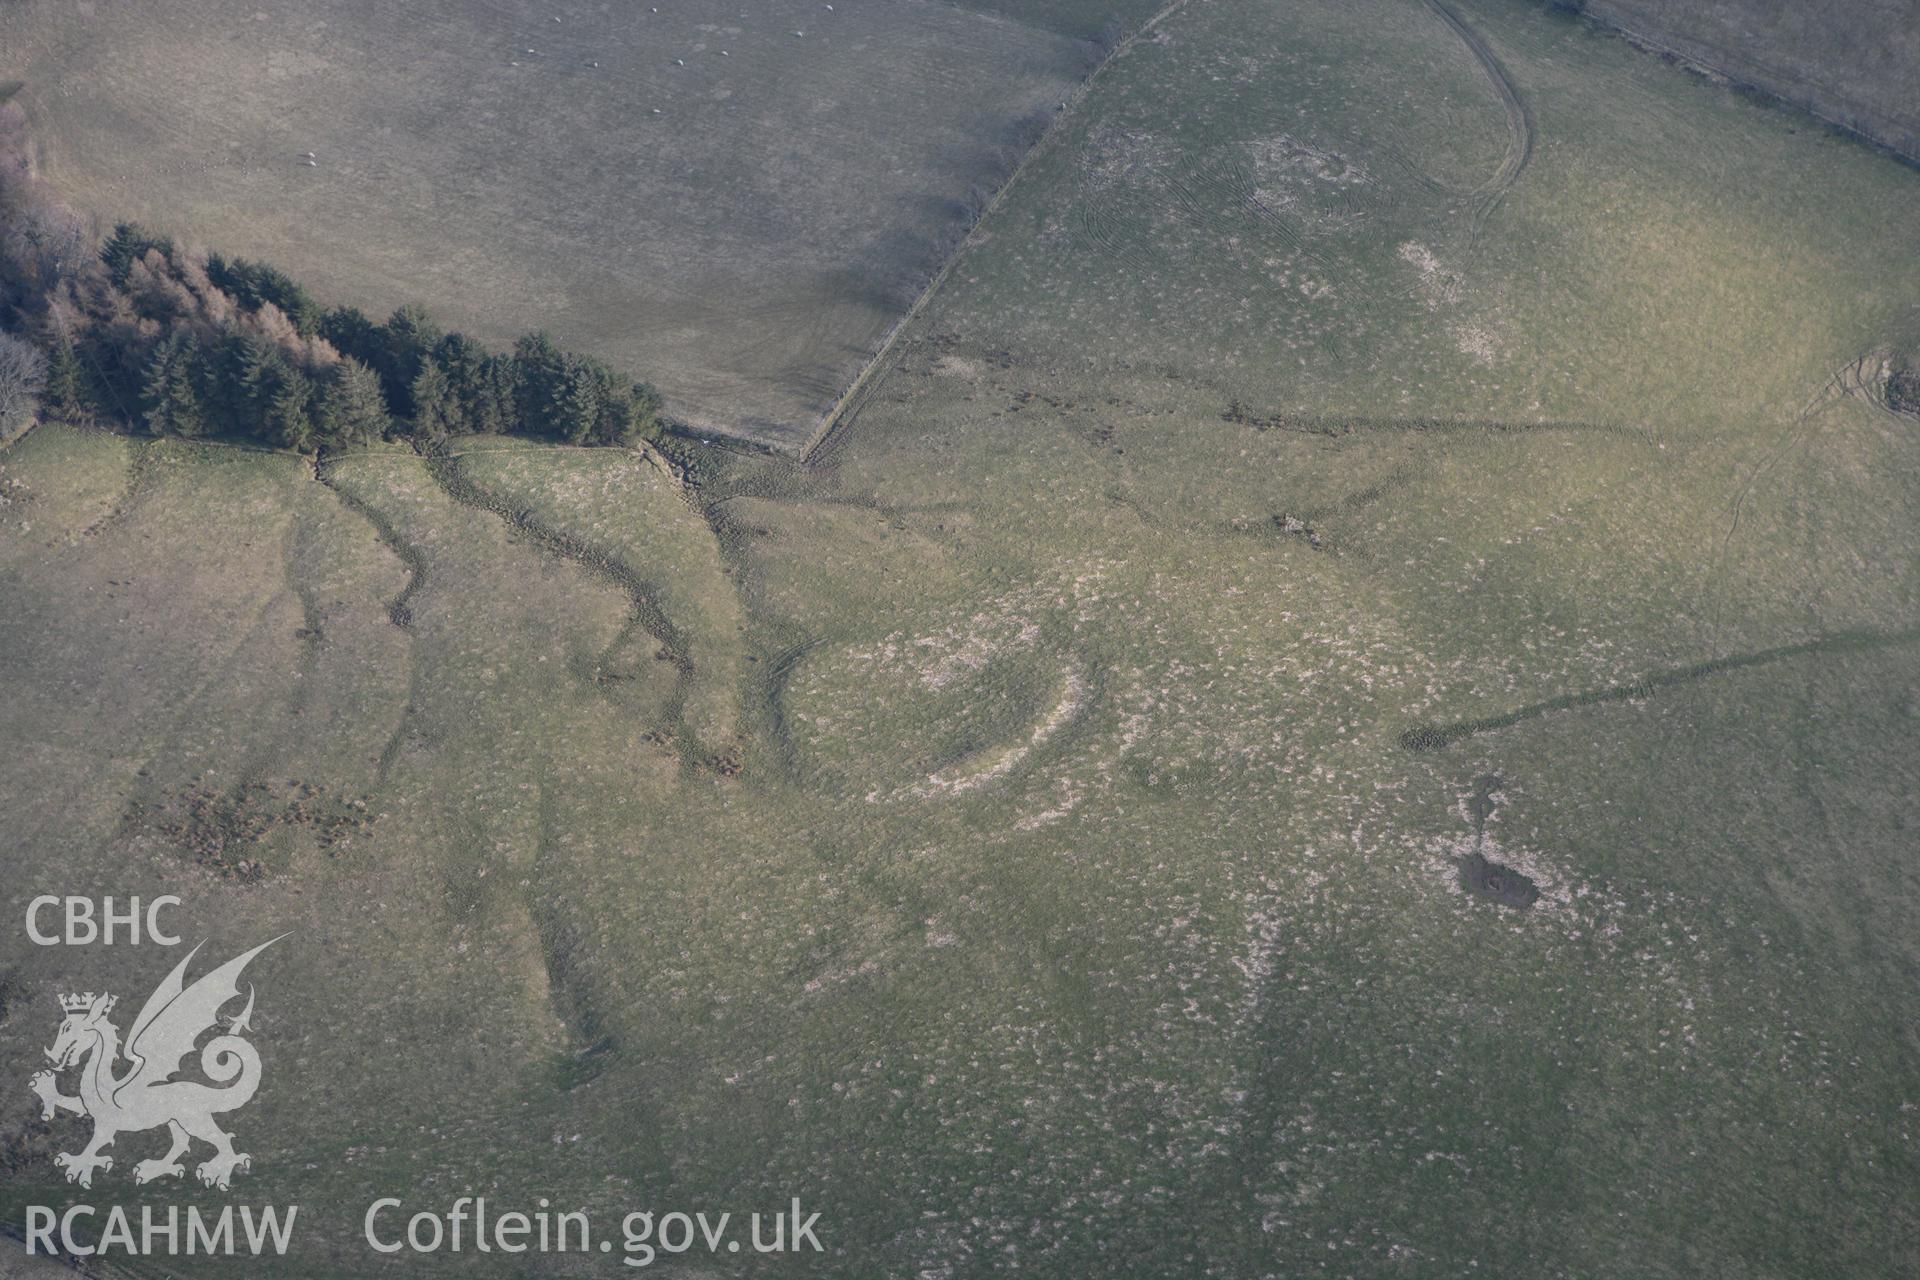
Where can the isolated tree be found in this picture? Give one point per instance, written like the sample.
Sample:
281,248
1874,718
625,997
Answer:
351,409
23,373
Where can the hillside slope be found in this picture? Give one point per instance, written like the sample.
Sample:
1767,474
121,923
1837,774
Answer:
1854,62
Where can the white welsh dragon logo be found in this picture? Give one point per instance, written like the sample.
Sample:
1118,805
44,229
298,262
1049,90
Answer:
144,1096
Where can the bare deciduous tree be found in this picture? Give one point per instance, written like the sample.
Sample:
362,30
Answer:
23,372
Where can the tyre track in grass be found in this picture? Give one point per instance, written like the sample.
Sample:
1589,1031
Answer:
1845,383
1852,382
1520,131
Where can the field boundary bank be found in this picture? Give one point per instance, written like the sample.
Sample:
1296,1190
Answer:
1898,138
1423,738
853,399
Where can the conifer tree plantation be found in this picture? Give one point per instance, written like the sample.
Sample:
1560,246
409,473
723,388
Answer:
138,333
1191,640
147,336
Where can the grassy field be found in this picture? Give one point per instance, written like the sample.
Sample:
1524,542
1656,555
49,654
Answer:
1852,64
734,203
1367,436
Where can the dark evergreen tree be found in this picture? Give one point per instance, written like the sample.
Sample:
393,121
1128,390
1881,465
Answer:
133,344
628,411
577,408
352,333
495,407
254,283
289,412
540,381
260,375
619,420
224,389
407,340
130,241
646,410
65,395
116,355
352,410
482,398
436,411
156,386
186,414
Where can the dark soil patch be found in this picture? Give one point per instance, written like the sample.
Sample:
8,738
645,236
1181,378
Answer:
220,828
1903,390
1497,883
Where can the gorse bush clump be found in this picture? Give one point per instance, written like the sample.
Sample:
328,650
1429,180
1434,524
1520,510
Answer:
178,342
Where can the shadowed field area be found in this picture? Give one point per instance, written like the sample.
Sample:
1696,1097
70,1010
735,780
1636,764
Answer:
734,202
